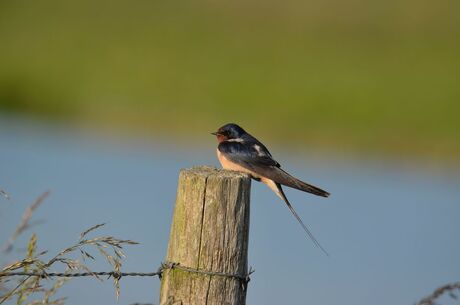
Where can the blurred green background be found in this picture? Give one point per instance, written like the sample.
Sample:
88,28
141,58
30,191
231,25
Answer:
342,76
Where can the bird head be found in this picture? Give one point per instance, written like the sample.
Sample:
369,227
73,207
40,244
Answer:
229,132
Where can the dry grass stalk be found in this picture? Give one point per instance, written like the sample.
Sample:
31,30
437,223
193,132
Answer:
25,221
21,228
109,247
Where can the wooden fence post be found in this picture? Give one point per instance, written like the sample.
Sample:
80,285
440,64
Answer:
209,232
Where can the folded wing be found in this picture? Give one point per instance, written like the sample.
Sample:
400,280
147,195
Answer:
255,157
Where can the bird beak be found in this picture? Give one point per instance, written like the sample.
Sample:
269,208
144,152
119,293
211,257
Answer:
214,133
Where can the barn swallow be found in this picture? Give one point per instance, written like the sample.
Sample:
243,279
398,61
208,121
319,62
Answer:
240,151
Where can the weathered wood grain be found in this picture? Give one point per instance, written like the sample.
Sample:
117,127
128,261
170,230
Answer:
209,231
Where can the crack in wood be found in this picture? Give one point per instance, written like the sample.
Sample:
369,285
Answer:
202,222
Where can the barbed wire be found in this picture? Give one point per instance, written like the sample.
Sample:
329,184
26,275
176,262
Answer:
117,275
448,288
244,278
114,274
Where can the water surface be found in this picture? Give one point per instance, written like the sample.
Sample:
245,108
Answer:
391,230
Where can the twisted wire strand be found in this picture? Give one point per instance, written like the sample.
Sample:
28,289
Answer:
243,278
80,274
448,288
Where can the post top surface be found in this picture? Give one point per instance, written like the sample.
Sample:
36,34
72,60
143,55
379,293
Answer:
207,171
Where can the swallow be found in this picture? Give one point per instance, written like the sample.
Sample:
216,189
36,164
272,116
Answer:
240,151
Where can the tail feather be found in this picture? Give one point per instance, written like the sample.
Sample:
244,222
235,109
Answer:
291,181
276,187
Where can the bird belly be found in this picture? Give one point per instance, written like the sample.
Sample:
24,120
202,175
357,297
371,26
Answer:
227,164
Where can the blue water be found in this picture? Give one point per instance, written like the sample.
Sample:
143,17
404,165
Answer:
391,227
